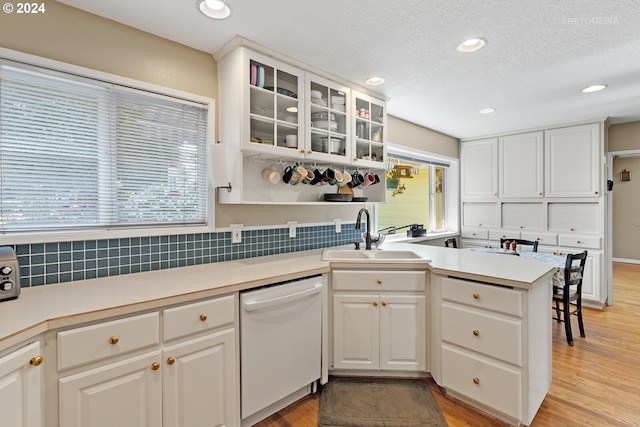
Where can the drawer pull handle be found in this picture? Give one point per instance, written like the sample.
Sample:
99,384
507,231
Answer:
375,303
571,229
476,332
379,282
155,366
36,361
476,295
578,242
384,303
114,340
203,317
171,361
476,380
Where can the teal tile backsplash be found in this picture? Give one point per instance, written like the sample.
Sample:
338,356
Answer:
57,262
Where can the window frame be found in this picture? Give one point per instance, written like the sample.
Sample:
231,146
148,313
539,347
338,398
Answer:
451,191
44,236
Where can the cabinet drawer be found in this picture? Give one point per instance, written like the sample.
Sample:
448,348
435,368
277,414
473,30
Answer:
96,342
489,297
542,238
474,234
491,384
197,317
590,242
503,234
579,217
483,333
393,280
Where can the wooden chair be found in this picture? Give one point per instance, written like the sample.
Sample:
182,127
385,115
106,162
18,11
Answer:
519,242
570,295
451,242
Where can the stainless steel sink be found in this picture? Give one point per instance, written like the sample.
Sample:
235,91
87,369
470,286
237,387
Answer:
354,255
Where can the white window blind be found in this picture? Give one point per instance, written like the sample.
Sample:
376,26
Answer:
77,153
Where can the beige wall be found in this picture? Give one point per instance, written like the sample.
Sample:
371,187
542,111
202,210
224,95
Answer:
626,200
69,35
414,136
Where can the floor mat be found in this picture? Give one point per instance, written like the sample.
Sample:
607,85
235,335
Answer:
365,402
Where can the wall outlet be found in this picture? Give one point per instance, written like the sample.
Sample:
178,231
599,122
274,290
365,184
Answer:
338,224
292,228
236,233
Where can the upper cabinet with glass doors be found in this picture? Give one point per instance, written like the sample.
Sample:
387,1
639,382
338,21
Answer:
327,104
369,130
263,110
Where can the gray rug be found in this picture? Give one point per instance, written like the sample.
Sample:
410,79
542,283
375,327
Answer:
365,402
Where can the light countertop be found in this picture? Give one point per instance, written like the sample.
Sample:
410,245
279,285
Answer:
41,308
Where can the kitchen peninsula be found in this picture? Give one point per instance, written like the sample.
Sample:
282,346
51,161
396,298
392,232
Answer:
511,315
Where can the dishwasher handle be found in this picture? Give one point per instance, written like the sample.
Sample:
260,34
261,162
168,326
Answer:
268,303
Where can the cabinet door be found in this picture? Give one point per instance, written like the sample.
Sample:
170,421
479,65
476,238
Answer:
274,121
403,332
127,393
200,382
328,107
479,168
521,165
572,161
368,130
21,393
356,331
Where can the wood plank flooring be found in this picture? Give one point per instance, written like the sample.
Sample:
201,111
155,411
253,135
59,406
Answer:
595,383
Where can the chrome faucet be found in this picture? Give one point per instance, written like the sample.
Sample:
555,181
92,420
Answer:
367,235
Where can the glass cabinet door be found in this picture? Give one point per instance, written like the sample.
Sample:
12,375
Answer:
274,107
370,118
327,108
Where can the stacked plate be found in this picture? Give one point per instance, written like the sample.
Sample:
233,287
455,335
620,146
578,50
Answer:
325,124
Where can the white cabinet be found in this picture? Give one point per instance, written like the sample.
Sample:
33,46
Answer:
120,372
127,393
493,346
383,327
199,382
573,159
369,131
550,189
521,165
263,112
277,115
479,169
21,387
328,106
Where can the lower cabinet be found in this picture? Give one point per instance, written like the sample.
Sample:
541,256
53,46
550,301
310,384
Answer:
21,387
127,393
128,376
380,330
493,344
199,381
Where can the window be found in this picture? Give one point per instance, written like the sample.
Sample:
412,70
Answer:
77,152
418,192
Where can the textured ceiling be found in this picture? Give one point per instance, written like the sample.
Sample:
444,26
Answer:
539,54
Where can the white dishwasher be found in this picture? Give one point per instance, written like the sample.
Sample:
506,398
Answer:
280,346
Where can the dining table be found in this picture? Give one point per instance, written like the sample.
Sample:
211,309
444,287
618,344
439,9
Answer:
556,261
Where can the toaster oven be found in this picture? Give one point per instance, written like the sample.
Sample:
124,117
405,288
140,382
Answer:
9,274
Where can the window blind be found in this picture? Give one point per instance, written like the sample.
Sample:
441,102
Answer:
77,154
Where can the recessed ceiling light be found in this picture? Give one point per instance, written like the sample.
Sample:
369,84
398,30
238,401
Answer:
486,110
374,81
593,88
216,9
471,45
292,109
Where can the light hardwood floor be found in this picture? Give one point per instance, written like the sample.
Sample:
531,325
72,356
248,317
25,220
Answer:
595,383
